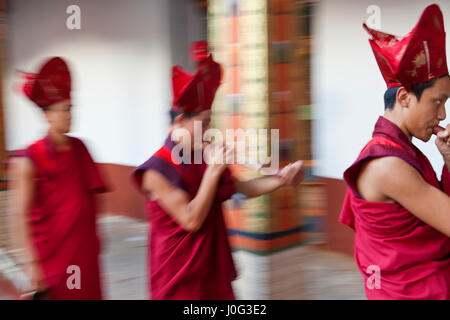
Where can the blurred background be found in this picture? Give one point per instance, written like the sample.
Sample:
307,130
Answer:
303,67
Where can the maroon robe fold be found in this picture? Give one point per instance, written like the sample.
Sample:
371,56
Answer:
413,257
188,265
63,217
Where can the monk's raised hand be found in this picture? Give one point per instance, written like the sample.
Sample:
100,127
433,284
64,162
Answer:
443,143
35,276
292,174
215,156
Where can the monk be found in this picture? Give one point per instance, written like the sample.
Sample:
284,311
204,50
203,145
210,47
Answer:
190,256
396,205
55,197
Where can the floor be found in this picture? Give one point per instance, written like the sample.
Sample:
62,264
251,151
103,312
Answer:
322,274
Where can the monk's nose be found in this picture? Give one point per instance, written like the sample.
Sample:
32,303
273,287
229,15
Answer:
442,113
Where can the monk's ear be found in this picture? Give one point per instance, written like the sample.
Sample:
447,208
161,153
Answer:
47,114
179,119
403,97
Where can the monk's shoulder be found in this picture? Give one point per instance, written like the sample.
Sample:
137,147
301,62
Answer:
377,174
34,153
21,167
78,142
156,183
156,169
382,168
34,147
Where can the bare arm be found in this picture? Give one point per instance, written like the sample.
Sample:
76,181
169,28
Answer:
189,214
259,186
291,175
390,179
22,186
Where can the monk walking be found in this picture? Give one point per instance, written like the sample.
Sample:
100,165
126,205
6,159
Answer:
55,197
190,257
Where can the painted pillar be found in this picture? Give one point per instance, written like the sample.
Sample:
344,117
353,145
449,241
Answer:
265,54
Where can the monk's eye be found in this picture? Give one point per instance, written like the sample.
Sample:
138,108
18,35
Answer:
438,101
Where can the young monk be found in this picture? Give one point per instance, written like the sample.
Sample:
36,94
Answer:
398,208
190,257
55,197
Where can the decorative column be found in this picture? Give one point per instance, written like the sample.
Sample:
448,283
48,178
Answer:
265,54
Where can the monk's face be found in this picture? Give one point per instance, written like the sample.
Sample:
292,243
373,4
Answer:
425,114
188,123
59,116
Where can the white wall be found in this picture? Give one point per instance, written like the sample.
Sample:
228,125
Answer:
347,85
120,59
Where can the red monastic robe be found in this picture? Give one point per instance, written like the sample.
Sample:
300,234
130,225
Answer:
188,265
413,257
63,218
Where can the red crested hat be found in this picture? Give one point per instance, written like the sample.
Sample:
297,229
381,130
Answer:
418,57
195,92
199,51
51,85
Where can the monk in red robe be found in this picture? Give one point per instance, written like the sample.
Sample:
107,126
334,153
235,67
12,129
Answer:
190,256
55,192
396,205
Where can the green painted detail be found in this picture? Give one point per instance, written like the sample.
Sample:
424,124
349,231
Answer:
268,252
305,112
